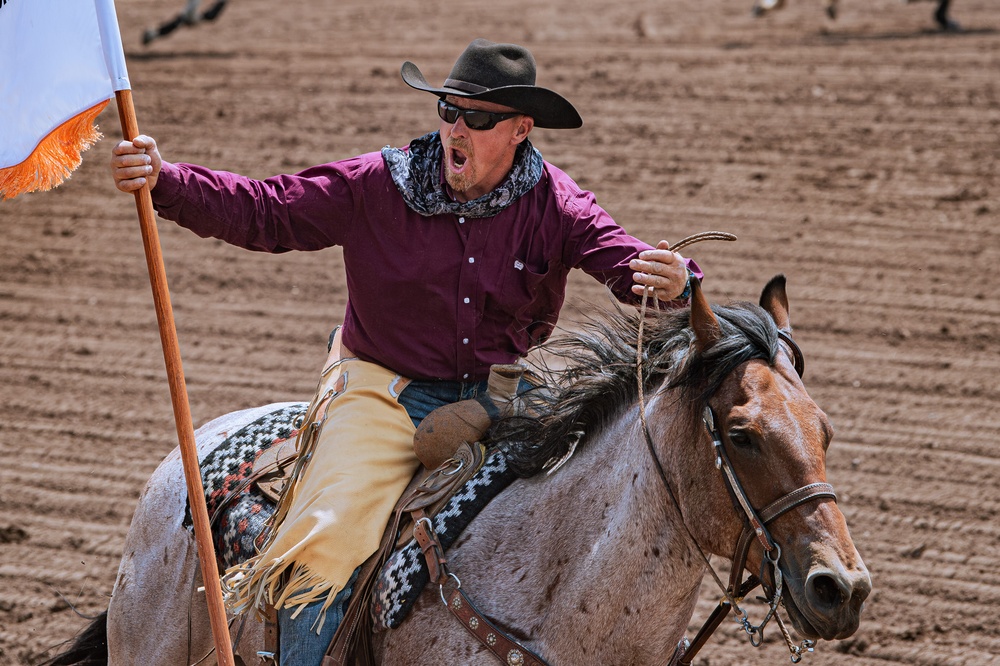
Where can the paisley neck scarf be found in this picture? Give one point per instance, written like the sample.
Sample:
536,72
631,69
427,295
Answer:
417,175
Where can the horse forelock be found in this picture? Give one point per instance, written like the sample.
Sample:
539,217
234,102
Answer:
748,332
597,377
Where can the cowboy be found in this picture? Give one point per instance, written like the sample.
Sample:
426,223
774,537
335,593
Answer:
457,249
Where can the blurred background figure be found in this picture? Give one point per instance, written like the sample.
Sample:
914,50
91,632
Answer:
941,14
189,16
944,22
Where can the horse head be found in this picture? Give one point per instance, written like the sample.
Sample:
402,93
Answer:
760,461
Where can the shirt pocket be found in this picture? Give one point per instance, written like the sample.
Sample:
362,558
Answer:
508,289
521,285
536,295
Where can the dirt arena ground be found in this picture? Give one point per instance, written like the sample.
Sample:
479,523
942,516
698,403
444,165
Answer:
859,157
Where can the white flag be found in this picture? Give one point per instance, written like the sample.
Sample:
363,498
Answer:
60,63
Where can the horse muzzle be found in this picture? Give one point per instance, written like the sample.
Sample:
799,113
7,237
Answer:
829,603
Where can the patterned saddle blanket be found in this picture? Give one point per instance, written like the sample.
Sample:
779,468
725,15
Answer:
240,525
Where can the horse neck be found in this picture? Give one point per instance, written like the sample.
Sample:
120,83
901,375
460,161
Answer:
630,564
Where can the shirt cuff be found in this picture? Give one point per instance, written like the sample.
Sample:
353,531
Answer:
694,271
168,190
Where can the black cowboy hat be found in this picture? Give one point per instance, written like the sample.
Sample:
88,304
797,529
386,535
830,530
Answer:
504,74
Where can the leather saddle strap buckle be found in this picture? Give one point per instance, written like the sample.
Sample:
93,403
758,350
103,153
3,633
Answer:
430,545
270,652
506,649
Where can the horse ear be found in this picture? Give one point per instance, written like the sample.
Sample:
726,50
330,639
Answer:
774,300
703,322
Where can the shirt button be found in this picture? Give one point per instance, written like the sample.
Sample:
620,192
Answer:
465,341
461,220
466,300
472,260
465,376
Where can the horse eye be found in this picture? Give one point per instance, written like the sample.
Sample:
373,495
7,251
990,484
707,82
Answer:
740,439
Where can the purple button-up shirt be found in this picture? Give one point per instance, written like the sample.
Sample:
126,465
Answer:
440,297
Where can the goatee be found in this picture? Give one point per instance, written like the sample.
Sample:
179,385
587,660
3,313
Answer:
459,182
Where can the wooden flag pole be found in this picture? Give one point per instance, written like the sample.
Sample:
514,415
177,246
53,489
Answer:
179,398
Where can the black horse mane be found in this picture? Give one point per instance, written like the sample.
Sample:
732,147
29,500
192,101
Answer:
591,376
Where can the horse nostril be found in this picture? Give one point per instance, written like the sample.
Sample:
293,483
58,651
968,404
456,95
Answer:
826,590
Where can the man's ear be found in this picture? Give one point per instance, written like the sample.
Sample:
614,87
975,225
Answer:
524,127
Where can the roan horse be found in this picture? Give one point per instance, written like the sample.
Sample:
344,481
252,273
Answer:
941,17
600,562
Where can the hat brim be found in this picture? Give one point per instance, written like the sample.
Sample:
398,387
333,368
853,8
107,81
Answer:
549,109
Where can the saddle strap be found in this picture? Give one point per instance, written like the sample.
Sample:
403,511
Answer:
438,487
430,546
271,641
503,647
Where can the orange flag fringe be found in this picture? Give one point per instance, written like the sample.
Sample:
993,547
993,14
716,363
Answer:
55,157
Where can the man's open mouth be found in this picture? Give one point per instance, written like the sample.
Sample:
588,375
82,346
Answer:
458,159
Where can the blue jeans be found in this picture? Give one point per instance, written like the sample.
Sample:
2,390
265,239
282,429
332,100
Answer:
421,397
300,645
298,642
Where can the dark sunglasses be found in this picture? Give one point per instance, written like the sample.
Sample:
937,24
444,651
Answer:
475,120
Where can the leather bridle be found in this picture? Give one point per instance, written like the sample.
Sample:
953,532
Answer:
754,527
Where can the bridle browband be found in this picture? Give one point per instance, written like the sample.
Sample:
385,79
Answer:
798,360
